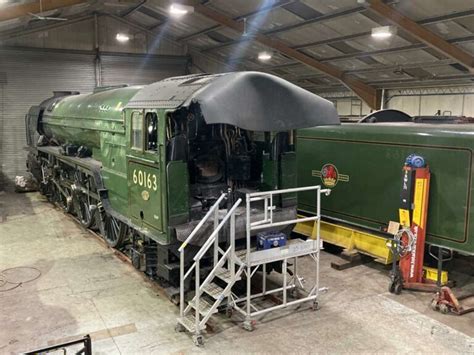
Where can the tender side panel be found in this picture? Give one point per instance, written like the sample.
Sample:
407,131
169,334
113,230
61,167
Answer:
368,181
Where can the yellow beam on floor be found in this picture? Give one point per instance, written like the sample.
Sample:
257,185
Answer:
350,239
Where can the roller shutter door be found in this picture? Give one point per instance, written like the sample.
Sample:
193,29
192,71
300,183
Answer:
27,78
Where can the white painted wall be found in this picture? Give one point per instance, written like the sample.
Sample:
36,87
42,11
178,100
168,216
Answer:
451,101
428,103
350,107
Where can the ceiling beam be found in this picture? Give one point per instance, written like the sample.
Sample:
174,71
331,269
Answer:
317,19
465,79
155,32
275,5
430,20
45,27
364,91
375,69
368,53
427,21
421,33
15,11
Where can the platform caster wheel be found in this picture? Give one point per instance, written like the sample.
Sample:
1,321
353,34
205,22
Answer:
391,287
443,308
249,325
434,305
395,288
179,328
229,312
315,306
198,340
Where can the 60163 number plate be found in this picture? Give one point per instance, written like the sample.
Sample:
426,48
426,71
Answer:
144,179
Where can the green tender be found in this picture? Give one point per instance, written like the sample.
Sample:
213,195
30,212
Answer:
368,159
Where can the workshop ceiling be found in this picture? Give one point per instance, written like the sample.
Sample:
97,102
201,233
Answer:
335,34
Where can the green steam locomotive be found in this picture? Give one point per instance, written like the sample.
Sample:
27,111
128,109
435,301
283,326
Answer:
142,165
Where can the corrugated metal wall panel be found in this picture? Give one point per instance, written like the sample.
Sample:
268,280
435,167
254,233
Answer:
140,70
30,78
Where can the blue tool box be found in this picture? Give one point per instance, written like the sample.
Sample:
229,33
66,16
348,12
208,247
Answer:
271,239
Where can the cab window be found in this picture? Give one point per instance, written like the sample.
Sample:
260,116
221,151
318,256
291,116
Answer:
137,130
151,124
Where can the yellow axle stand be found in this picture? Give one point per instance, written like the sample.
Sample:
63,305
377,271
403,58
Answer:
363,242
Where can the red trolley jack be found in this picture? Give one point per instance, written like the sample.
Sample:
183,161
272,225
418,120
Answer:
446,302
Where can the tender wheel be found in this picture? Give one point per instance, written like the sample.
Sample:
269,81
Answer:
443,308
114,231
198,340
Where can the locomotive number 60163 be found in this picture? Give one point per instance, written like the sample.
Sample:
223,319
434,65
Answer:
144,179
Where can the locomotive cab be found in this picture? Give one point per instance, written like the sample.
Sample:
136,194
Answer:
199,136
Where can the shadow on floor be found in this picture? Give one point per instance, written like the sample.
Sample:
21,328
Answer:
23,304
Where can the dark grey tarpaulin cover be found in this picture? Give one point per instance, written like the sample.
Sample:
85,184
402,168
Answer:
250,100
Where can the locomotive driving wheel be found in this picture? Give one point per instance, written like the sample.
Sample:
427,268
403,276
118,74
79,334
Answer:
64,199
115,232
85,213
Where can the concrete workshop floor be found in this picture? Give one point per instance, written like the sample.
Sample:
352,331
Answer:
84,288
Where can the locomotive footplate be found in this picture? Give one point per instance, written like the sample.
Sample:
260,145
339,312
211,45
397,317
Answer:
280,214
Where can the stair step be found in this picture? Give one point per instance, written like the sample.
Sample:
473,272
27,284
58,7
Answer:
224,275
241,253
204,306
188,322
213,290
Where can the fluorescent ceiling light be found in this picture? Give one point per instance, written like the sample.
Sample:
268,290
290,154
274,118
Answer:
383,32
122,37
264,56
178,10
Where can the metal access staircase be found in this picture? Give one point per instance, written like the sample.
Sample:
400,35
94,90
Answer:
209,293
229,266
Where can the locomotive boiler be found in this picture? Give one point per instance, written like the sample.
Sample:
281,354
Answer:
142,165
